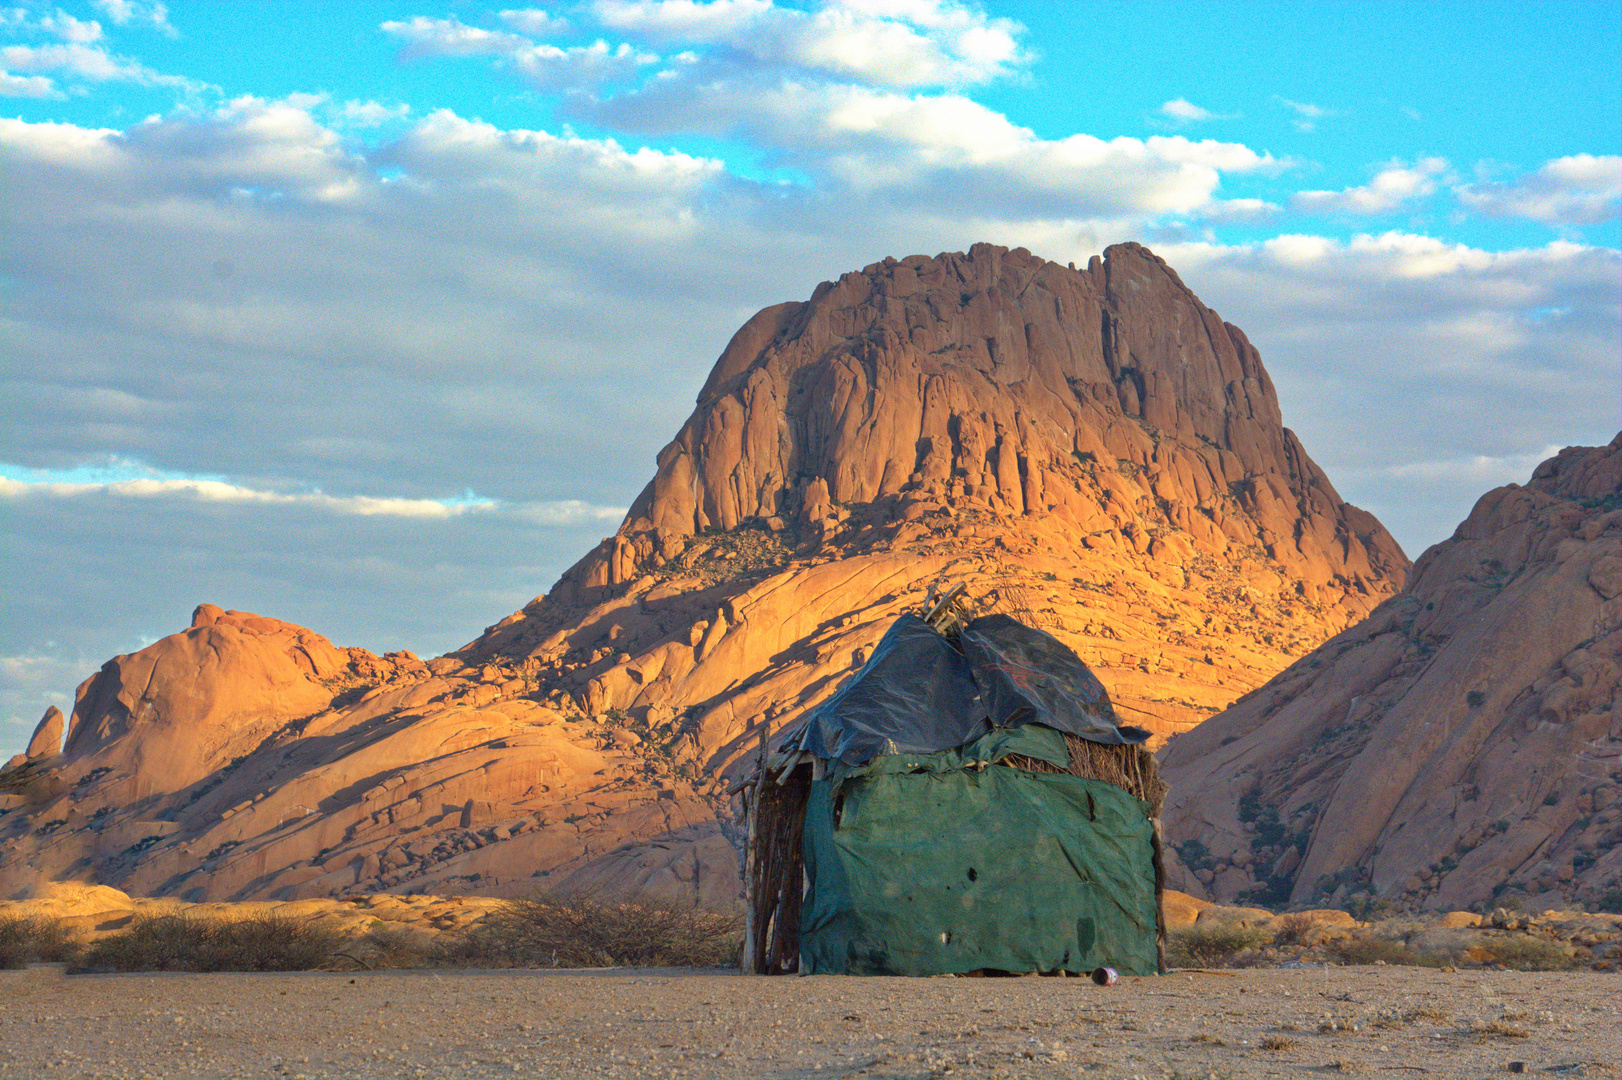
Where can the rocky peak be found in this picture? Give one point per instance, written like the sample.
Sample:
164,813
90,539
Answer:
1000,380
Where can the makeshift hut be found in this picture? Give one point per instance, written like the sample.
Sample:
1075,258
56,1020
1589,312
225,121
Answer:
965,803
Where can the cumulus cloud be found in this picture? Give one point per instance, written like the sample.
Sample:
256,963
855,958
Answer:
1393,186
27,86
1583,189
372,113
535,22
125,12
916,43
543,65
77,56
427,36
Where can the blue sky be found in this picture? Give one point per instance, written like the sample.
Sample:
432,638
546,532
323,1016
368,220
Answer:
372,316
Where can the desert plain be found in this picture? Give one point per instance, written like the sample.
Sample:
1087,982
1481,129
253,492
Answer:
1311,1020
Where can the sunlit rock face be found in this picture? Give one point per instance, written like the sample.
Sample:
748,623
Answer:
1092,450
1462,743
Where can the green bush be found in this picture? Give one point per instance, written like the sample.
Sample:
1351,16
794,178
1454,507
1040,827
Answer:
570,931
33,940
184,943
1212,946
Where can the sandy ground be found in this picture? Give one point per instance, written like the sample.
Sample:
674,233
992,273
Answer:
1377,1021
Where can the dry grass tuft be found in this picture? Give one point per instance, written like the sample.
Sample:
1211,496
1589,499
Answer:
572,931
1500,1029
33,940
182,943
1214,946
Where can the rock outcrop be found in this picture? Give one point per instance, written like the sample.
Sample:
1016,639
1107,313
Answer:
1093,450
1463,743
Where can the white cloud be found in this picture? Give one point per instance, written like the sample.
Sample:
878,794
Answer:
451,37
1393,186
542,65
77,58
888,43
1583,189
217,491
124,12
1185,111
29,86
66,27
372,113
535,22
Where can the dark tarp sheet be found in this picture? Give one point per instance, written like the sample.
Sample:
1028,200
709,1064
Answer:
1028,676
915,694
918,694
939,864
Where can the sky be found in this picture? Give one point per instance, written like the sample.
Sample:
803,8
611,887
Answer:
372,316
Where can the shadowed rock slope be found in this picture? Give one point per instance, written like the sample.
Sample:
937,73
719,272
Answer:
1093,449
1461,745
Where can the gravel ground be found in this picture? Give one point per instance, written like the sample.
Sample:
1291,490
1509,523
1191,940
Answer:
628,1023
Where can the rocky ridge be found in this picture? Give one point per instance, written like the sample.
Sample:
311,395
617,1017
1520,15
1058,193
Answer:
1460,747
1094,450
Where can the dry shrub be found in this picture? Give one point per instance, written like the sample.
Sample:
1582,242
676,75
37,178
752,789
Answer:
1213,946
572,931
1373,950
1518,952
393,947
1529,954
1291,928
32,940
183,943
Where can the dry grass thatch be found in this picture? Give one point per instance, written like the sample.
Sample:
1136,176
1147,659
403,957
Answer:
1130,768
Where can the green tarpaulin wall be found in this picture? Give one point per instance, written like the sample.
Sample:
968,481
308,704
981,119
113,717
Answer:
936,863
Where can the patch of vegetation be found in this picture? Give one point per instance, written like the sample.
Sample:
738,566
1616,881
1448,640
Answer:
1214,946
1610,902
556,931
1372,950
92,776
1292,927
1523,953
33,940
1195,855
184,943
146,843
